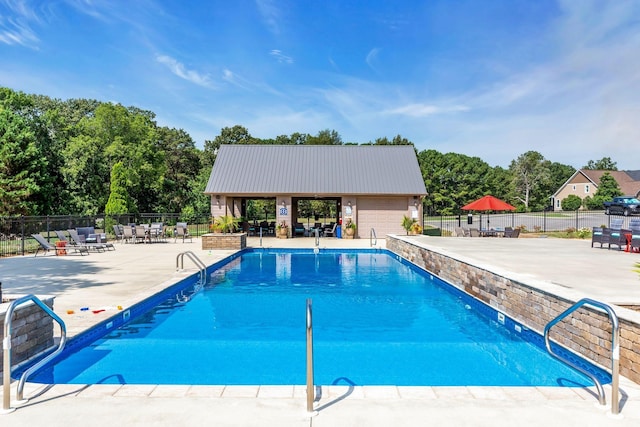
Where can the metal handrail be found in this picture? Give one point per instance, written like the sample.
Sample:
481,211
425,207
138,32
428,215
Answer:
310,385
373,239
198,262
615,350
6,344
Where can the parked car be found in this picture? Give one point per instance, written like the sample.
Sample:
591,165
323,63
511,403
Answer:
623,205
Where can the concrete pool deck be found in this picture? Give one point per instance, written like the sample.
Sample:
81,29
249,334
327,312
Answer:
133,272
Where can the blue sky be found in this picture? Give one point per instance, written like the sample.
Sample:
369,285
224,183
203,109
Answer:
486,78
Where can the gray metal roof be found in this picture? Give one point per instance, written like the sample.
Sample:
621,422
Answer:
317,170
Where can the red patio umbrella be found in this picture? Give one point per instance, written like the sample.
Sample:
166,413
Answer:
489,203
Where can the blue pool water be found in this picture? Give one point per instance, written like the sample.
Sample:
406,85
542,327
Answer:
377,321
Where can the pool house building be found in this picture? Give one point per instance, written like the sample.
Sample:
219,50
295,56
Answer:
373,186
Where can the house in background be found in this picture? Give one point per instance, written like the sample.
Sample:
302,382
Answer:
584,182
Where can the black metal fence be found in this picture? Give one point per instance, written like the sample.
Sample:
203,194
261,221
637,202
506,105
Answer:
15,232
539,222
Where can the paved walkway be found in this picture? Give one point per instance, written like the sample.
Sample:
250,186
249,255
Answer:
132,272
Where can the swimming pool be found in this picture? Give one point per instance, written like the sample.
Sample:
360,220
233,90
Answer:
377,321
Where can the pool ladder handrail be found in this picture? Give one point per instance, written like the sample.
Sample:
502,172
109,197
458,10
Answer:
6,345
373,238
197,261
615,350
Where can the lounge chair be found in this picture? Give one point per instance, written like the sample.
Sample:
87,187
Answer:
182,232
71,245
46,246
474,232
76,240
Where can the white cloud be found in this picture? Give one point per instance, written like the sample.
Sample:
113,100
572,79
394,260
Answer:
280,57
424,110
270,14
16,18
181,71
371,57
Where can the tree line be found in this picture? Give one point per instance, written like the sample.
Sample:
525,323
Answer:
83,156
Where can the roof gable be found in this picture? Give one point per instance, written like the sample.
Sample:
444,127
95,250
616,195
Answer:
316,169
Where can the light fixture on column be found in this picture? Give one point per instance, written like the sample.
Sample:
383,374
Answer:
349,203
218,200
284,203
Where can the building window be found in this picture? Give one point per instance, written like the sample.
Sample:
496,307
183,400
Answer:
557,203
574,187
586,188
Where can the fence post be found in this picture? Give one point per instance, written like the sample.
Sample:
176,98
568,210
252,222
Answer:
22,233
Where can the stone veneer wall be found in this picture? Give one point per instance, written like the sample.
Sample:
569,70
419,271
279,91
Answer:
585,331
31,331
235,241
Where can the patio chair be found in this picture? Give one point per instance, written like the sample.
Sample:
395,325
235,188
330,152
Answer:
619,238
635,241
330,232
474,232
182,232
298,229
616,223
514,233
596,235
127,234
76,240
634,225
141,234
156,231
118,231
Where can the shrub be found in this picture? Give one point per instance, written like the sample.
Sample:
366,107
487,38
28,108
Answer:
571,203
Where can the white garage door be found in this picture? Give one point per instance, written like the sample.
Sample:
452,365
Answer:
382,214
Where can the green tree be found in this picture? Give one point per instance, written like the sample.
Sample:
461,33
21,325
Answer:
20,165
571,203
453,180
608,188
234,135
119,200
182,169
605,164
530,173
325,137
397,140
